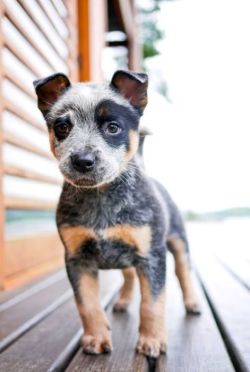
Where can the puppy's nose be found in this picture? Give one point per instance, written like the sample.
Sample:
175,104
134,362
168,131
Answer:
83,162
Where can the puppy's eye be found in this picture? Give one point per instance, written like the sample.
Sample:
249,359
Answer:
62,128
112,128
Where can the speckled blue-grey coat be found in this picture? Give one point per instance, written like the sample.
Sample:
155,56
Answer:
111,215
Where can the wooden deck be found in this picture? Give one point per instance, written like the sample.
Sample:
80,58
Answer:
40,329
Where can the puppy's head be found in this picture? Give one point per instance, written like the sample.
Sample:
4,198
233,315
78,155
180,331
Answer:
93,128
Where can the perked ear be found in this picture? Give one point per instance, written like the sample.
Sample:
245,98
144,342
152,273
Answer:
133,86
49,89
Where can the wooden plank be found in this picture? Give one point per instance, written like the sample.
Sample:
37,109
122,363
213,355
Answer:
230,301
21,313
30,274
54,18
50,19
2,251
26,252
194,342
238,267
43,24
14,39
12,297
14,140
32,322
51,337
10,106
24,203
25,173
60,8
8,74
18,23
11,45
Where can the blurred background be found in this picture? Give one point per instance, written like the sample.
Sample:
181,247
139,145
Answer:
197,56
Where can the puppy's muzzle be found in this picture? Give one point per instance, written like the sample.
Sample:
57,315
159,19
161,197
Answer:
83,162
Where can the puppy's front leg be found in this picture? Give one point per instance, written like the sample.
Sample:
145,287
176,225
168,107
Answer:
96,338
152,339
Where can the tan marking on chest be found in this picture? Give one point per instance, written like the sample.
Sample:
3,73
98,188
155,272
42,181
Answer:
74,236
137,236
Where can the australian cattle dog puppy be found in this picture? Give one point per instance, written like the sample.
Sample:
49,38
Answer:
111,215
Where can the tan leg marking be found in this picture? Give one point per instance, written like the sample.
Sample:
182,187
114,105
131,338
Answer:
96,338
182,270
74,236
139,237
152,339
126,292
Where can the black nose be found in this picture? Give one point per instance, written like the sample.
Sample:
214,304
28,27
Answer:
83,162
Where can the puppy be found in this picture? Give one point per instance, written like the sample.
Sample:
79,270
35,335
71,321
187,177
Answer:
110,214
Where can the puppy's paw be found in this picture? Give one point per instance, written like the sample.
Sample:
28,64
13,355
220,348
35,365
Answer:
151,346
121,305
192,307
96,344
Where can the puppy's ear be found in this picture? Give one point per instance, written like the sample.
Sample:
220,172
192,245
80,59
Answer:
49,89
133,86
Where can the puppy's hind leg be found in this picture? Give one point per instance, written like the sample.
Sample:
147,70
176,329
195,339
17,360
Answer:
126,292
182,269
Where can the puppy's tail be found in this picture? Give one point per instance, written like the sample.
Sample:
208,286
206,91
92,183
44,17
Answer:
142,135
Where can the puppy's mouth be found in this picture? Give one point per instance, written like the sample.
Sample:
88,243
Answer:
90,182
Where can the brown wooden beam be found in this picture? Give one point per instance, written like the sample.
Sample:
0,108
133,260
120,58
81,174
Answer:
29,91
2,214
25,173
25,203
84,40
14,140
128,15
72,24
15,20
92,26
10,106
31,256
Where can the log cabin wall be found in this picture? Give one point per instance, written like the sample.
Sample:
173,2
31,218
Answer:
38,37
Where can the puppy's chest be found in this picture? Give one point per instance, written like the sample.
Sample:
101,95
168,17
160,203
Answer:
113,247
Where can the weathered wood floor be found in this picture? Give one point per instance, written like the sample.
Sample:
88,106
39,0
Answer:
40,329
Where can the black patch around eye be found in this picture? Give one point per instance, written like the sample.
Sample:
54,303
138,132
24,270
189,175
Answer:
108,111
62,127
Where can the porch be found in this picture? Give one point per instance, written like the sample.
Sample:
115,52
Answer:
40,328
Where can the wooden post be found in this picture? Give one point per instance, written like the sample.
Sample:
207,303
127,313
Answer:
2,256
92,20
135,56
128,13
84,39
72,23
